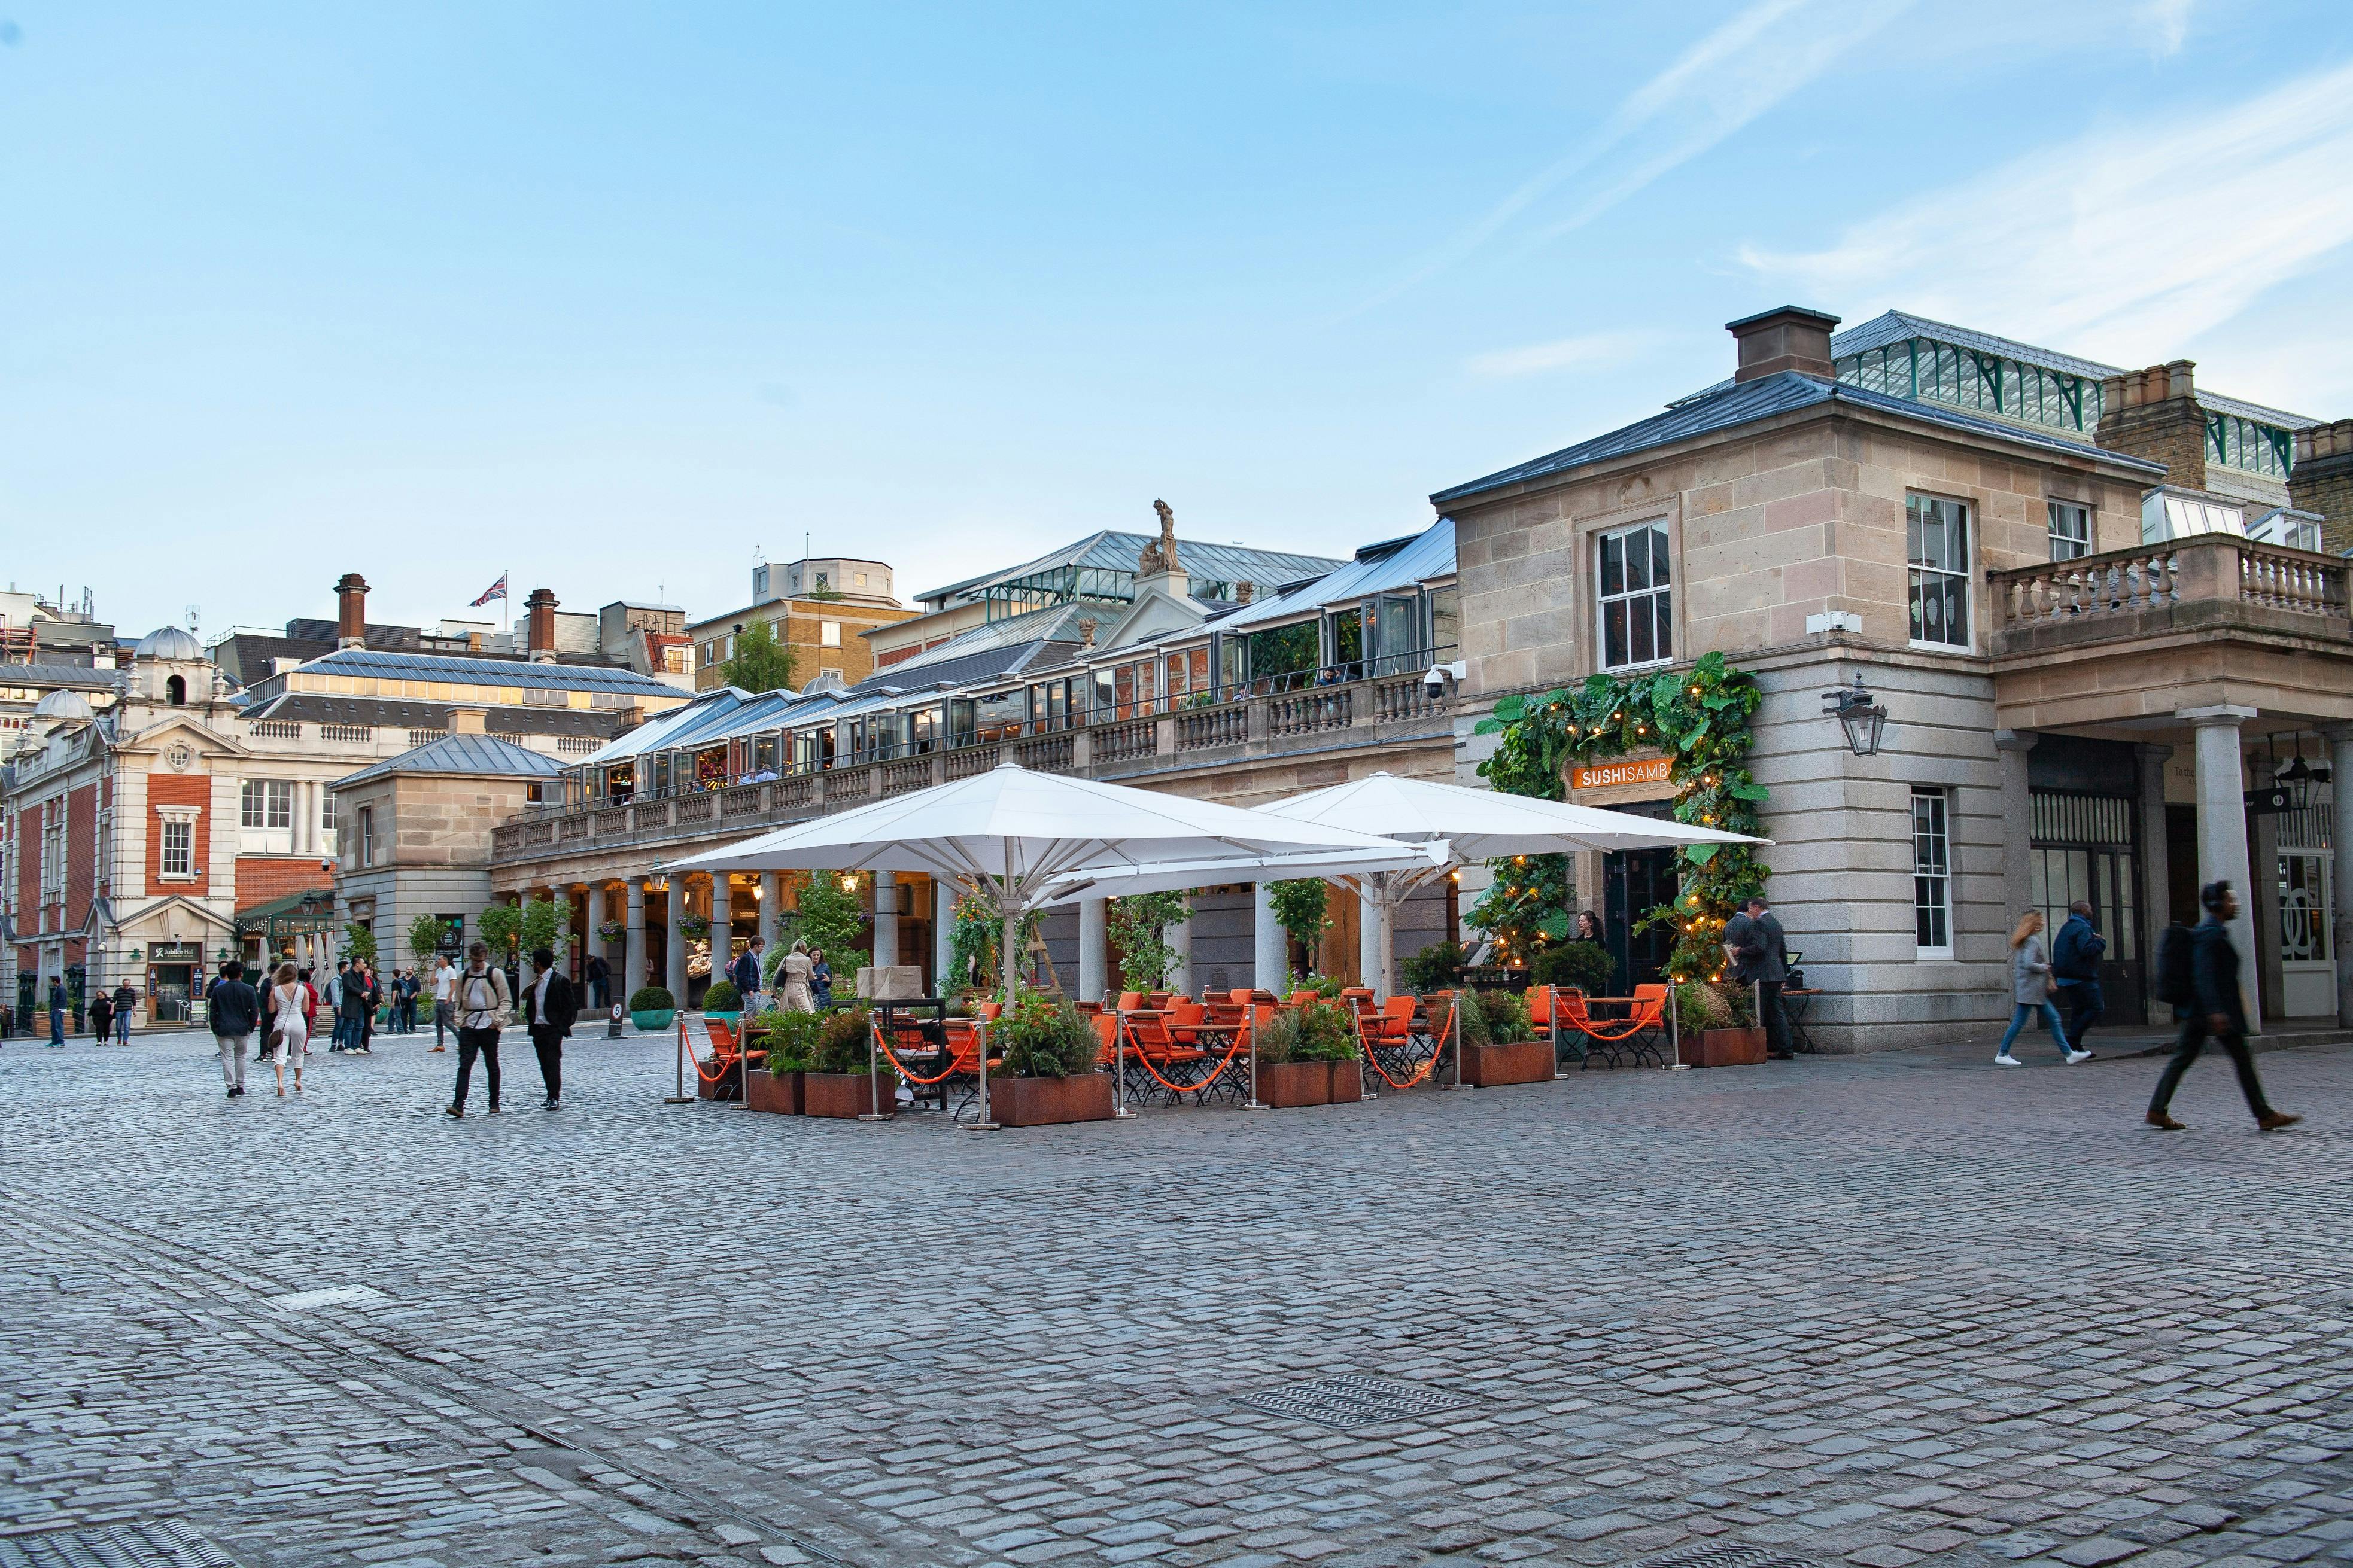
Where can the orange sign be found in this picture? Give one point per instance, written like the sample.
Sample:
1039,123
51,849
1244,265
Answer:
1608,775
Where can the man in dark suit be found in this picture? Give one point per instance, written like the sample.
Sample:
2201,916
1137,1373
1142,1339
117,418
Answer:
1760,957
549,1006
2219,1012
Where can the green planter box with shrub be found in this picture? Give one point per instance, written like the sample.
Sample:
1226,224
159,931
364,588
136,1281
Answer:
651,1008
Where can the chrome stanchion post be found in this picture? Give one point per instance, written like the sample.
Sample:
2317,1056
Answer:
874,1076
1119,1072
980,1033
1674,1025
1454,1028
681,1097
1250,1023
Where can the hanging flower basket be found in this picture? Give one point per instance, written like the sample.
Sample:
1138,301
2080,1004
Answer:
693,926
612,931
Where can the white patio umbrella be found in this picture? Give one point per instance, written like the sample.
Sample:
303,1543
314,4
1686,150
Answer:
1473,824
1011,835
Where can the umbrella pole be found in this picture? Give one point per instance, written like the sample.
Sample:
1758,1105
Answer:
1012,923
1119,1072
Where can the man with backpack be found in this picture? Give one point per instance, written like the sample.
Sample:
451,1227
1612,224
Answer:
2075,969
482,1000
234,1012
2201,973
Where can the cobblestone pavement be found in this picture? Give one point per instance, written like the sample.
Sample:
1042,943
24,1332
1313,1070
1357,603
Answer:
1875,1311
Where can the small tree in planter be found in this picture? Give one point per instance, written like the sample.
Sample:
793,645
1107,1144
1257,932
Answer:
1300,908
501,928
1139,932
1584,966
653,1007
789,1040
426,935
846,1076
1719,1025
1434,968
359,945
1050,1068
1307,1056
1496,1047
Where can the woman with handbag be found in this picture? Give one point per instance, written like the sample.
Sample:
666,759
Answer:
2030,990
290,1024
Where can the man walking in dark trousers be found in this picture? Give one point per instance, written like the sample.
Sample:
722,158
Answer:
1760,957
2217,1011
550,1004
2075,957
482,1002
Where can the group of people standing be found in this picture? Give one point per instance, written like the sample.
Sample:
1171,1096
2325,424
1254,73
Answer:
284,1003
479,1003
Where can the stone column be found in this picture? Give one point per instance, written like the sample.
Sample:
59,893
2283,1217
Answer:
674,968
2262,902
723,923
886,919
633,940
1269,946
2222,827
2156,872
1094,949
1369,943
772,905
1180,938
596,917
943,903
2017,829
2341,844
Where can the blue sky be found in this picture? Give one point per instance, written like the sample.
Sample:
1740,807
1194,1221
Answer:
618,296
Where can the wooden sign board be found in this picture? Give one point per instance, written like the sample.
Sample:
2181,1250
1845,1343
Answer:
1618,774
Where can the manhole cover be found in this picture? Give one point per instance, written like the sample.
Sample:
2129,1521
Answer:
167,1544
1352,1400
1727,1557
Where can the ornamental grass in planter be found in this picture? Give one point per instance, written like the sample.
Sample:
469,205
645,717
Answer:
846,1078
1307,1056
1718,1027
1498,1046
1050,1072
651,1007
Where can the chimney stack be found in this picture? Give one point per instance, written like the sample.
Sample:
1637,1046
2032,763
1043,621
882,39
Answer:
1789,338
539,625
2321,481
469,721
2153,414
351,611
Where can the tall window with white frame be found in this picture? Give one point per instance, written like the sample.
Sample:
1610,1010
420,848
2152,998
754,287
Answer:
250,797
368,836
282,803
2071,530
179,845
1636,605
1932,873
1938,533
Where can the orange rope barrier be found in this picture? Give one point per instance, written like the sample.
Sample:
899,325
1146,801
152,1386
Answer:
1635,1026
1420,1073
902,1067
1231,1051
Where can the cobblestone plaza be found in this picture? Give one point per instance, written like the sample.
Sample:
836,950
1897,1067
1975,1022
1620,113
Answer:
1877,1310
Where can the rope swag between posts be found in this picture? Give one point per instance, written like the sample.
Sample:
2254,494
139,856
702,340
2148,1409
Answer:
1699,718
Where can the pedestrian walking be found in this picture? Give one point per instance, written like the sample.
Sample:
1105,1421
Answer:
101,1018
233,1011
820,980
2030,990
126,1002
445,980
2217,1011
333,995
793,981
57,1014
600,981
290,1025
2076,954
480,1001
746,973
352,1006
549,1005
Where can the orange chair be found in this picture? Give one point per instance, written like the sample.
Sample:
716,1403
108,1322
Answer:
1106,1028
1242,997
1544,1012
1131,1001
1392,1026
1148,1033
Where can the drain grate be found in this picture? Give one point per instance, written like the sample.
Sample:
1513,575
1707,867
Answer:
1727,1557
167,1544
1352,1400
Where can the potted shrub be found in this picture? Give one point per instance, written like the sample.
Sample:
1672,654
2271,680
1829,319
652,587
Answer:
721,1000
790,1040
1050,1069
842,1078
1584,966
1717,1027
1307,1056
651,1008
1497,1049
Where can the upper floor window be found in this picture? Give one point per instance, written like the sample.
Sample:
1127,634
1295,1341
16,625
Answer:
1637,613
368,836
2071,530
828,634
250,806
327,810
179,847
280,807
1937,534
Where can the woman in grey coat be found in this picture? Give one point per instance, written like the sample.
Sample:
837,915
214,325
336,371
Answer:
2030,990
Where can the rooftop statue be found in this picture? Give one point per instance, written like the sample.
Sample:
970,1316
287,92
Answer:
1160,556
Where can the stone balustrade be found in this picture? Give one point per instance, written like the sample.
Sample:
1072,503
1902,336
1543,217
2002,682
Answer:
2211,580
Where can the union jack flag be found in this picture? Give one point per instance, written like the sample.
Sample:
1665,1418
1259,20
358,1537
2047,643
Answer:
497,590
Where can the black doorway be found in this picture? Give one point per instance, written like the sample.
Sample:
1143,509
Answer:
1633,883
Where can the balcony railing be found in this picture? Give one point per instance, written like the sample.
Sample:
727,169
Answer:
2210,580
1375,710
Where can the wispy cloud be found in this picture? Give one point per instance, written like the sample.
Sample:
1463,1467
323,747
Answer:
2124,243
1587,349
1768,51
2167,22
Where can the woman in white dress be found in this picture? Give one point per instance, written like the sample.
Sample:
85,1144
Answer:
793,981
288,998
